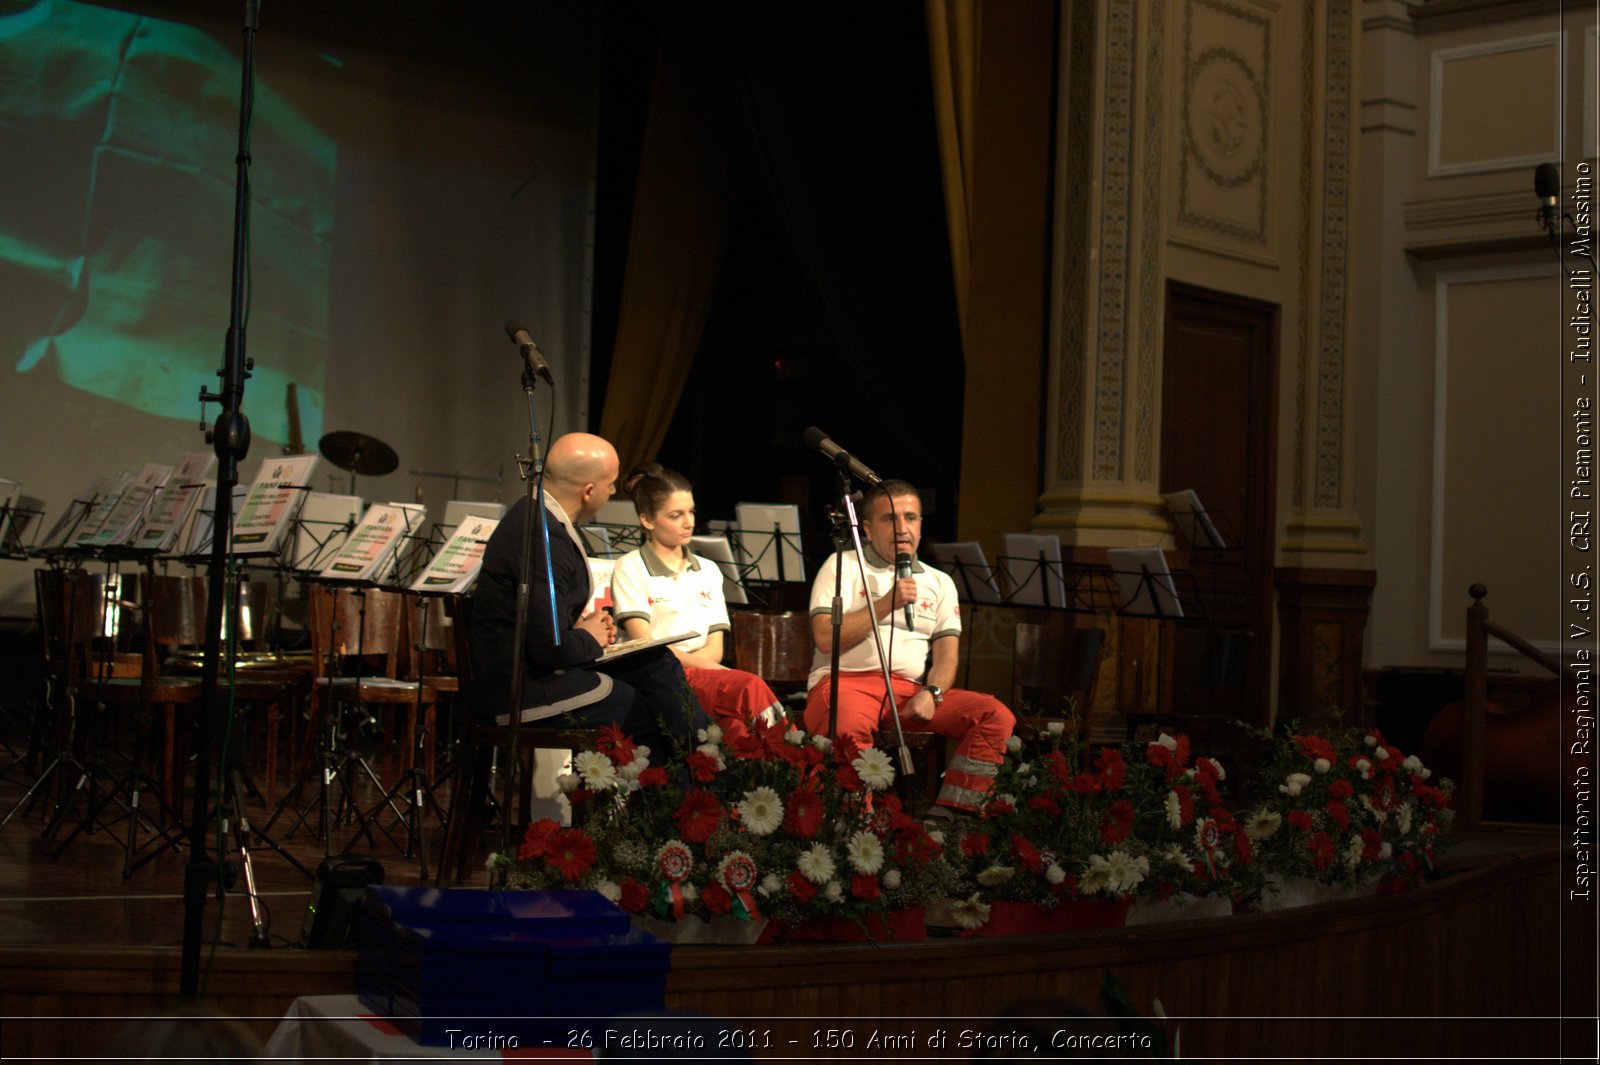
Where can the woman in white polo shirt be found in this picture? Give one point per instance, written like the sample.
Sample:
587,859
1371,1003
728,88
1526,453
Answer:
663,588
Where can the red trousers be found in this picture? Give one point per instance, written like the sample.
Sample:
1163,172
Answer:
978,724
733,695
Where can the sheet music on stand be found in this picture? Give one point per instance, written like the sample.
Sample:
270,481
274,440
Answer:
127,515
321,527
1147,586
963,560
173,508
1033,569
769,542
371,547
17,517
111,491
717,549
195,539
59,538
456,564
269,507
413,550
1192,518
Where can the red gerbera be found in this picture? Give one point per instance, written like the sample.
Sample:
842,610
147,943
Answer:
654,777
1314,747
1045,805
1339,812
1321,845
702,767
802,889
1116,822
1027,853
634,895
974,844
570,852
536,840
802,812
698,816
1301,820
615,745
864,887
1341,789
1112,769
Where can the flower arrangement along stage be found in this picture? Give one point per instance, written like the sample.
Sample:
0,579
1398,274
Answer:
1349,812
767,827
1072,838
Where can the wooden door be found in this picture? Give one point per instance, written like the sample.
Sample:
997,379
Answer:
1218,437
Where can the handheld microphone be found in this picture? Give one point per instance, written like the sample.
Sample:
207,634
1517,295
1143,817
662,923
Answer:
1547,186
818,440
902,568
530,351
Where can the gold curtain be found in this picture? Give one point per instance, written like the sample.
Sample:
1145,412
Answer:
953,55
691,166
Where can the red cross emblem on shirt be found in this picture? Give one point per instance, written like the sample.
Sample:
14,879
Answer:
705,595
925,605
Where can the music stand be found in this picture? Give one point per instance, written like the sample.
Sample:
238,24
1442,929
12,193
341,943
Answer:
769,540
717,549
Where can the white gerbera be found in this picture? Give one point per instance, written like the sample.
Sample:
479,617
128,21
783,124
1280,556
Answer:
1124,872
996,874
816,864
1402,817
1097,877
970,912
1352,853
875,768
1263,824
596,770
1174,810
865,852
761,811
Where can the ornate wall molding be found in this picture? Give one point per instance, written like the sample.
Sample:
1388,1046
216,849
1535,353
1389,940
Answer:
1328,485
1112,238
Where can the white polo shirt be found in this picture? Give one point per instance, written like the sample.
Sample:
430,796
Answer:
642,586
936,613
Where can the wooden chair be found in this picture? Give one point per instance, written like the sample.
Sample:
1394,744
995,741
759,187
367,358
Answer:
473,785
775,647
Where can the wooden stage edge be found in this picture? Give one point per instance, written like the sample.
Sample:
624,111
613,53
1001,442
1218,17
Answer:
1472,965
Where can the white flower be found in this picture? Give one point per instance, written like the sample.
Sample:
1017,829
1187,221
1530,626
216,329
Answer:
821,742
1352,853
1055,728
713,752
761,811
1363,765
568,783
493,860
1174,810
794,737
832,891
1008,799
1054,874
609,890
996,874
642,753
1411,764
1167,741
1222,774
1370,740
937,836
891,879
710,734
1322,765
770,884
1097,877
865,852
595,769
1385,850
1403,818
875,768
1426,773
1263,824
1123,871
1382,753
690,892
1013,745
816,864
970,913
1295,783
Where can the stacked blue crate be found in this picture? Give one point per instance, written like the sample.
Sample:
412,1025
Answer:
542,967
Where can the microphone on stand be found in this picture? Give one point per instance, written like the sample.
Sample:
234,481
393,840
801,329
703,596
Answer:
820,441
1547,186
902,568
530,351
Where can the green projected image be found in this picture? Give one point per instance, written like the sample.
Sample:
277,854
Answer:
117,141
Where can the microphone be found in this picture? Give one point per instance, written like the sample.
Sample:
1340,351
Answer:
530,351
818,440
1547,186
902,568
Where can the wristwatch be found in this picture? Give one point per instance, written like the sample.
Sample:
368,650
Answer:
935,691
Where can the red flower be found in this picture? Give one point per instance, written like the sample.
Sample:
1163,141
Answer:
698,816
847,778
571,853
1185,804
1082,784
1301,820
634,895
615,745
1172,761
864,887
535,841
716,898
1207,775
746,745
802,812
654,777
802,889
1371,844
974,844
1056,764
1341,789
1116,822
1045,805
1321,845
1113,771
913,846
1314,747
702,767
1339,812
998,807
1027,853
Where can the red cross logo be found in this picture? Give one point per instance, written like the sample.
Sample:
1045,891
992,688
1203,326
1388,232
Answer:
925,605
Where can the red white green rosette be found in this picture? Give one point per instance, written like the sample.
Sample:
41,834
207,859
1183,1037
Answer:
674,860
738,874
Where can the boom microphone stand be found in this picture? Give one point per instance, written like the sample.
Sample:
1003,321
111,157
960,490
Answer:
231,438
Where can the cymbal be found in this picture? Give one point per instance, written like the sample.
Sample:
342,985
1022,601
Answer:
358,453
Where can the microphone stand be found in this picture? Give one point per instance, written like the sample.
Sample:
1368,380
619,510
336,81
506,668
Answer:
231,438
535,480
907,767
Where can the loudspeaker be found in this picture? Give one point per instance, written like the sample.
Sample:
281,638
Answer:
333,915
